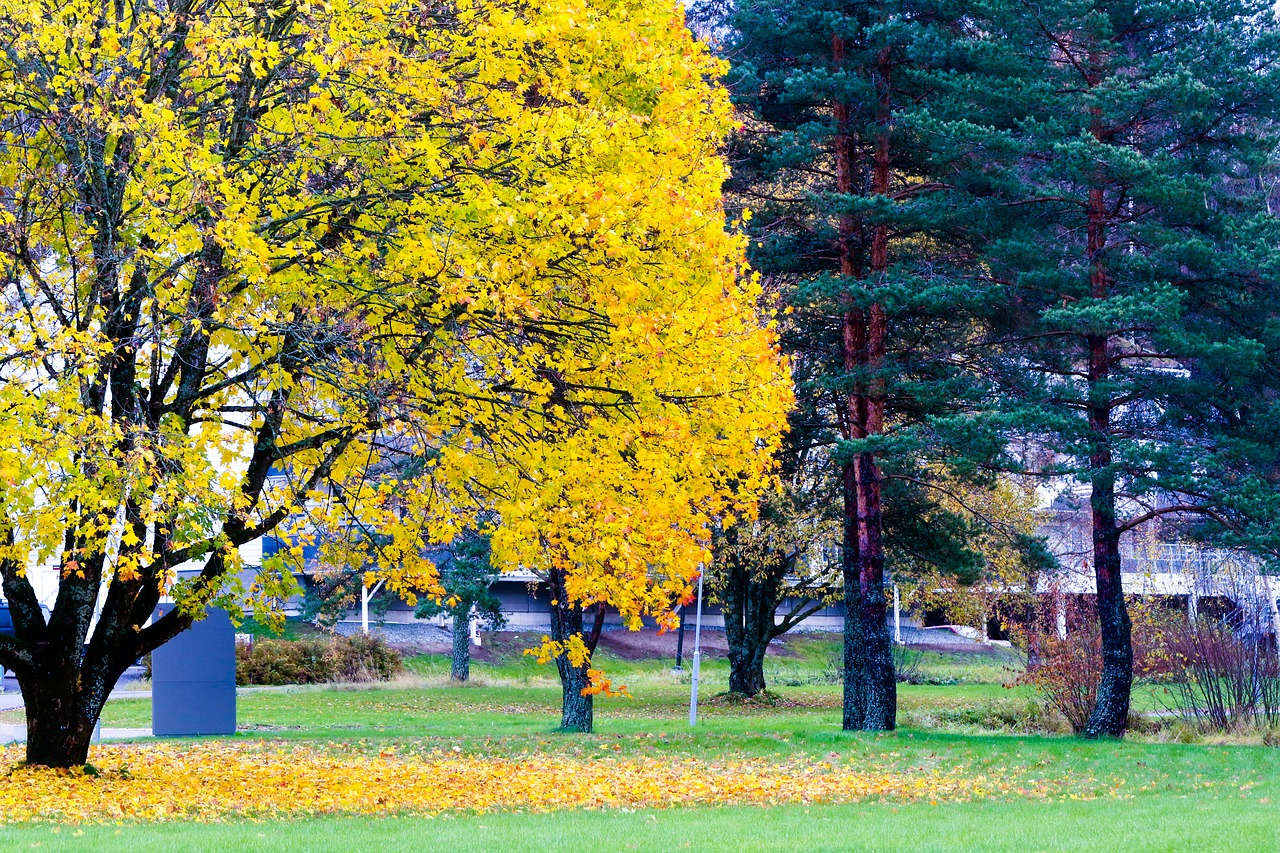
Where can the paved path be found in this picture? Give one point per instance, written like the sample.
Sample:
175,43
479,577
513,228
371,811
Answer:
17,732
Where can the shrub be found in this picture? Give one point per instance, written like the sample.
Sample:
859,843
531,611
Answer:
363,657
316,660
1066,670
1220,680
906,664
1009,715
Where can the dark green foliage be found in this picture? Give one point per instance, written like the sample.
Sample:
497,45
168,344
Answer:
357,658
867,176
467,577
1141,136
1037,226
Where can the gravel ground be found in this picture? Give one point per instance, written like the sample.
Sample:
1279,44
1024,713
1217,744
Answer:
646,644
400,633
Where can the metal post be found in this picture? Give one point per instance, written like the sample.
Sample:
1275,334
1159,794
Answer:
365,595
697,658
679,667
897,617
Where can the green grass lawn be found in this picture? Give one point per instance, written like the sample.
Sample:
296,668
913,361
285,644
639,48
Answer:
1147,797
1140,794
1152,824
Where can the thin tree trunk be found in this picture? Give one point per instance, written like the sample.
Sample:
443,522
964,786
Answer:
460,662
1110,715
855,670
853,342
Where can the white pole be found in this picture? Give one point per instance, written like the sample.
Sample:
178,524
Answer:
697,658
897,617
365,595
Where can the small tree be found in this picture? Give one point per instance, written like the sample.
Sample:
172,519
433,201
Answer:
467,576
787,552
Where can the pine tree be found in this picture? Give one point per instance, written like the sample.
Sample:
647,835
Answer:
865,170
1139,120
467,575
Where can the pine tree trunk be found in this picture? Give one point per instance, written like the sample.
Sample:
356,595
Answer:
460,662
1110,715
870,682
855,669
880,685
871,687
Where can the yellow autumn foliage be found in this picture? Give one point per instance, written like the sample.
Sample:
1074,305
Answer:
218,781
309,238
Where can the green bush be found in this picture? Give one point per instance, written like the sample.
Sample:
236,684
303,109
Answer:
363,657
316,661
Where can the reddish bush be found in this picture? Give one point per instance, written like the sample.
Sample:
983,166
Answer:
1066,670
1219,678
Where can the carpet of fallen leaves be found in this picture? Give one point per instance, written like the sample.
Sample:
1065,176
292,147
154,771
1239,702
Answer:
214,781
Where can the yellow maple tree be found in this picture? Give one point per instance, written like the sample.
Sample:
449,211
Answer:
252,252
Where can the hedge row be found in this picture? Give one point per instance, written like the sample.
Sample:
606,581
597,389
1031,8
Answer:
316,660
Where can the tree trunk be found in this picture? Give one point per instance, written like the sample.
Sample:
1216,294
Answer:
62,709
577,709
58,728
1110,715
880,684
460,662
577,706
871,687
750,607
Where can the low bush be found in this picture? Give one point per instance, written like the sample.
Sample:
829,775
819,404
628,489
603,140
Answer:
1220,679
316,661
1065,670
1009,715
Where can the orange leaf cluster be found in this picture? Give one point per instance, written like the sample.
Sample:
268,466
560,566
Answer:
216,781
